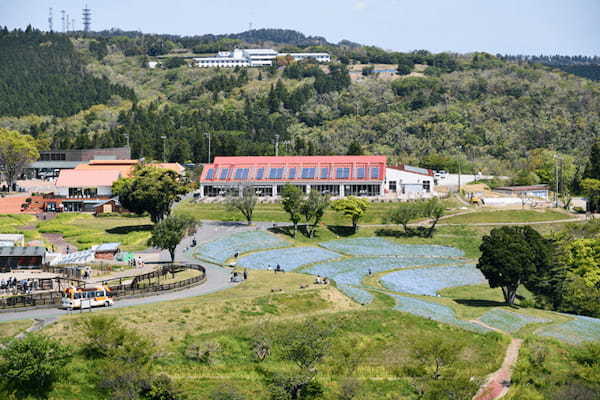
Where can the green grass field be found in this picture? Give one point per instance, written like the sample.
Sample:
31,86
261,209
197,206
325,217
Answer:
84,230
14,223
507,216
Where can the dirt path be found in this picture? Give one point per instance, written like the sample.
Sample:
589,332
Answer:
59,243
498,383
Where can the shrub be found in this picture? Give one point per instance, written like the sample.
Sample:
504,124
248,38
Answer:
31,366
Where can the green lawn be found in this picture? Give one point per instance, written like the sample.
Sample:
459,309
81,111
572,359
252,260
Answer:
14,223
507,216
377,213
84,230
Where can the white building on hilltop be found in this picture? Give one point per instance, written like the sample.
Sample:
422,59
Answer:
253,58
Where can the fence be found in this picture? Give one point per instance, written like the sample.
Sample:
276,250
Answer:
54,298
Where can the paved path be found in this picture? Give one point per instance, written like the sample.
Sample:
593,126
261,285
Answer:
217,278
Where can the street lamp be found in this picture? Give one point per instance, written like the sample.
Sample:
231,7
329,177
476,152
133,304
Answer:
459,169
164,138
556,160
207,134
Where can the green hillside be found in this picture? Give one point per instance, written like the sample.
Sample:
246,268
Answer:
493,113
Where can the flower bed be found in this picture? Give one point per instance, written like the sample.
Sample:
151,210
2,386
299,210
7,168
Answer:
383,247
434,311
222,249
580,329
508,321
427,281
359,295
289,258
353,270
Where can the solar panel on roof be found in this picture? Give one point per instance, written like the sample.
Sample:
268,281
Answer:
375,173
224,173
308,173
416,169
241,173
260,173
360,173
342,173
292,173
276,173
210,174
324,173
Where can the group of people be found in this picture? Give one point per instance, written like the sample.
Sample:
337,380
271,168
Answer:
237,277
136,262
13,285
321,281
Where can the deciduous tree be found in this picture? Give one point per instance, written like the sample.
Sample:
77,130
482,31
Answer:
352,207
313,209
16,152
152,190
245,202
291,201
168,233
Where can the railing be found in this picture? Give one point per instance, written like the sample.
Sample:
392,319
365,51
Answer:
54,298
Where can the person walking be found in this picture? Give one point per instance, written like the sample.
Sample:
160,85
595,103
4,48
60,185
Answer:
245,274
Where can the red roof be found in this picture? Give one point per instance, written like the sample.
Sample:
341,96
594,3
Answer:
86,178
295,168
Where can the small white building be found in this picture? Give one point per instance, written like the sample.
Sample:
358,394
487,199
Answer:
253,58
407,182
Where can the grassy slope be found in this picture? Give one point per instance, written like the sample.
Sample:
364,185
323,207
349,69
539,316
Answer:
15,223
384,338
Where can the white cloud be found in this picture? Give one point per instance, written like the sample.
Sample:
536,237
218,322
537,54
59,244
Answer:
360,5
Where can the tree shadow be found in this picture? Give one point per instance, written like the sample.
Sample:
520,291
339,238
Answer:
288,230
419,231
480,303
124,230
341,230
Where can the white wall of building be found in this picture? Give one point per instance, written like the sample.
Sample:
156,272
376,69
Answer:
104,191
253,58
407,182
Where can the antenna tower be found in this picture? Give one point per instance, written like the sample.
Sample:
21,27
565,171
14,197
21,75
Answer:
68,22
87,18
62,18
73,24
50,20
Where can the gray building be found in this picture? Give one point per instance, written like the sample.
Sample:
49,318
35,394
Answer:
52,162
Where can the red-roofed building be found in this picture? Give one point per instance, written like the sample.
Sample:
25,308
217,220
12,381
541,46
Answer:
334,175
83,190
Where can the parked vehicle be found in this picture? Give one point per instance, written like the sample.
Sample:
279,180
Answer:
441,174
86,297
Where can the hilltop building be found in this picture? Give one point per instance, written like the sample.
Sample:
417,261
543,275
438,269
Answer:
337,176
254,58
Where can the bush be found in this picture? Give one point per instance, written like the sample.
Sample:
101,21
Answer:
31,366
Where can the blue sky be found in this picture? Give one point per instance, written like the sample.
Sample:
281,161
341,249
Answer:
495,26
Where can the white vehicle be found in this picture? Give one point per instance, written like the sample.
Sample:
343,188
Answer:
441,174
98,296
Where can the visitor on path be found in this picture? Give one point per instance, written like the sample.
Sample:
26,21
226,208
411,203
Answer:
318,280
245,274
269,268
370,272
236,254
194,243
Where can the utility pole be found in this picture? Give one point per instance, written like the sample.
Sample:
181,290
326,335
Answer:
50,20
459,169
556,158
164,138
276,145
207,134
127,138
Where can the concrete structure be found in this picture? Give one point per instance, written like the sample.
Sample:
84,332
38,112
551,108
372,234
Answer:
253,58
409,182
12,257
52,162
333,175
539,191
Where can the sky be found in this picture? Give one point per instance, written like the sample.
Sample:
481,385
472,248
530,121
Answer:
567,27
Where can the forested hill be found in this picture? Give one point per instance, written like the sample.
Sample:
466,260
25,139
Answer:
41,73
492,114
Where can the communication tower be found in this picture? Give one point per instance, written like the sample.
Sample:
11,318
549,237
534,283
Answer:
50,20
87,18
62,18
